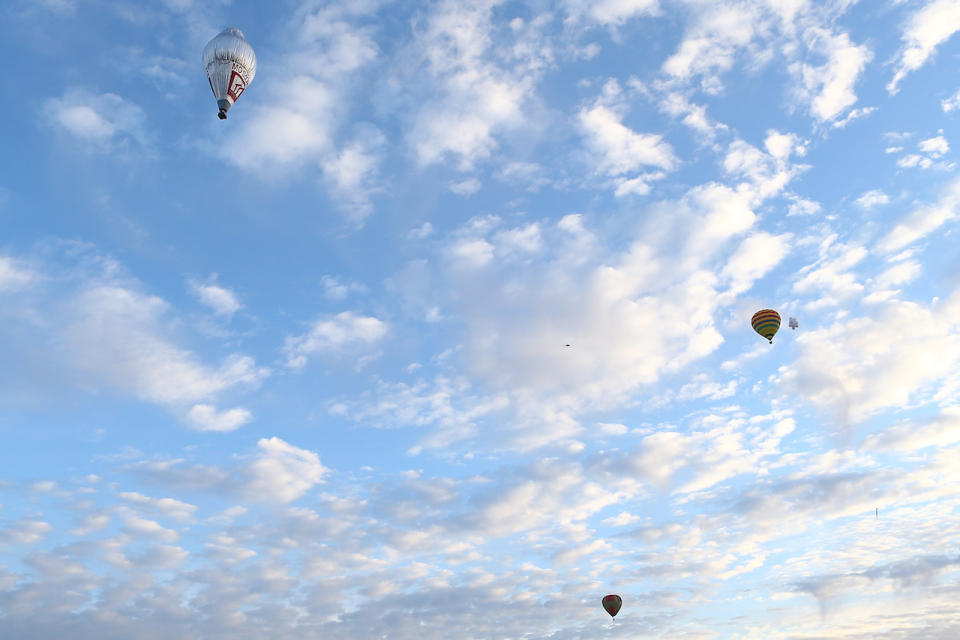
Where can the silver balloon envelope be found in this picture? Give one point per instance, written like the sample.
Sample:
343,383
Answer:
230,64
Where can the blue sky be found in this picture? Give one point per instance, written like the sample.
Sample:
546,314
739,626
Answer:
301,373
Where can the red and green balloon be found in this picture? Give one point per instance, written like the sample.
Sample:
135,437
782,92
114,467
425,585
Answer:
612,604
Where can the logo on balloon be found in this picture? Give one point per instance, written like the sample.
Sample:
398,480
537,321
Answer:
237,85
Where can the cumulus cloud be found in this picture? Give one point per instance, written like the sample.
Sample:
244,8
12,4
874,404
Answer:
872,198
755,257
925,30
221,300
333,334
942,430
205,417
610,12
110,335
618,150
923,220
116,336
103,122
282,472
478,95
829,87
300,125
14,276
891,361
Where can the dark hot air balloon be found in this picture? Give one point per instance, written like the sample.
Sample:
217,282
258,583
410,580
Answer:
612,604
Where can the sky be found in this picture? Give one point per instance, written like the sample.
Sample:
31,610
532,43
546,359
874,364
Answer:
445,331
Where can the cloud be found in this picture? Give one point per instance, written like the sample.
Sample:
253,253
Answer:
872,198
25,531
14,276
282,472
168,507
299,124
477,96
711,43
754,258
940,431
610,12
110,335
923,220
893,360
103,122
205,417
332,334
115,336
221,300
924,31
616,149
466,187
829,87
951,104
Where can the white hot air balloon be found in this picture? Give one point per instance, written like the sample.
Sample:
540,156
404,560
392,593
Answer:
230,65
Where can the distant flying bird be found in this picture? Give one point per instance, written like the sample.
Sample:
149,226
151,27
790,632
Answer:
566,345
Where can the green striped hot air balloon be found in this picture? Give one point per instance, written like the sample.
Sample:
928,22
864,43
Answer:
766,322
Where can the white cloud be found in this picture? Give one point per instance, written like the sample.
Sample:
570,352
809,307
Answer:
25,531
223,301
872,198
829,87
829,280
141,527
925,30
854,114
611,12
115,335
168,507
754,258
103,121
951,104
297,125
282,472
14,276
205,417
345,330
942,430
893,356
466,187
711,44
923,220
477,98
935,147
352,170
334,289
618,150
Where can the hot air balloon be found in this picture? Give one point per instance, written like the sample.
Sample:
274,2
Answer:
766,322
230,65
612,604
793,324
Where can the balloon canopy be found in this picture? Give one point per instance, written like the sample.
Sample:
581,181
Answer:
230,64
766,322
612,604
